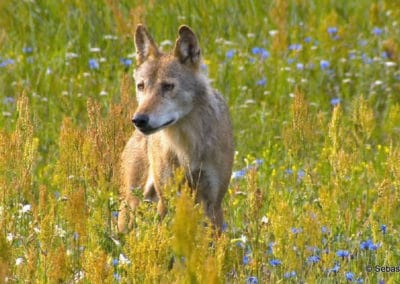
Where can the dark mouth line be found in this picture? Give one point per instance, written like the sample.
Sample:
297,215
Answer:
150,131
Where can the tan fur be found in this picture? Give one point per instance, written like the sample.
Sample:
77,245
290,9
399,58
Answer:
181,122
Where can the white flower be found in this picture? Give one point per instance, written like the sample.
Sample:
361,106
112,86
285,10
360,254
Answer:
26,208
10,237
19,261
123,259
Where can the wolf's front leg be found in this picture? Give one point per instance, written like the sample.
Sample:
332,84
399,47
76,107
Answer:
126,213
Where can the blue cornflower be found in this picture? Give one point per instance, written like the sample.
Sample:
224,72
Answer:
369,245
94,64
8,100
230,53
126,62
332,31
115,214
290,274
334,269
260,51
313,259
115,261
300,66
383,229
238,174
7,62
342,253
275,262
246,259
377,31
252,280
308,39
296,230
270,248
324,230
288,171
300,174
27,49
117,277
324,64
349,276
261,82
335,101
366,59
76,236
295,47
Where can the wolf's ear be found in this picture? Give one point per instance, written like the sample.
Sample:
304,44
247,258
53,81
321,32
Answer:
187,48
145,45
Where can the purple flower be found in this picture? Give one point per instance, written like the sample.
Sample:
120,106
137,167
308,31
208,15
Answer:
7,62
335,101
300,66
369,245
332,31
313,259
27,49
275,262
349,276
334,269
342,253
261,82
290,274
377,31
383,229
246,259
295,47
126,62
230,53
252,280
324,64
94,64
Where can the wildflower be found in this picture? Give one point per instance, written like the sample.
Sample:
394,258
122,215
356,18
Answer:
230,53
369,245
308,39
324,64
313,259
238,174
300,174
377,31
7,62
27,49
349,276
26,208
8,100
126,62
290,274
19,261
366,59
117,277
288,171
270,247
94,49
332,31
300,66
246,259
123,259
10,237
260,51
94,64
335,101
295,47
296,230
261,82
324,230
275,262
115,214
224,227
383,229
115,261
76,236
342,253
252,280
334,269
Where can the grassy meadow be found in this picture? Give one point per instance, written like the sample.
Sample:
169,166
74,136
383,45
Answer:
314,93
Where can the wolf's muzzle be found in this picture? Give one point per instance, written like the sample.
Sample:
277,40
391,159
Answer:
141,121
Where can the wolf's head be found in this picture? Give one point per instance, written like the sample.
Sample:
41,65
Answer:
166,84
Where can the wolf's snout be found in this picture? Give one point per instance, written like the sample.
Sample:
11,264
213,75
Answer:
140,120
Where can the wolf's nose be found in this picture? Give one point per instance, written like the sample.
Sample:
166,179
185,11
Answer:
140,120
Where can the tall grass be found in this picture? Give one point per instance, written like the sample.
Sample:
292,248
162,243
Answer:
313,89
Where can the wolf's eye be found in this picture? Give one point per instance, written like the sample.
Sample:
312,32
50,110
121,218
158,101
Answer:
167,86
140,86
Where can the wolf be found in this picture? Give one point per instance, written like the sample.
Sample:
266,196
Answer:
181,122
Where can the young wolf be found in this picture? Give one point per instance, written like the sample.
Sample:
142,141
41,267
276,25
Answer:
181,122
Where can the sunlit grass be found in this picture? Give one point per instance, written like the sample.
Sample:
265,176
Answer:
313,89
